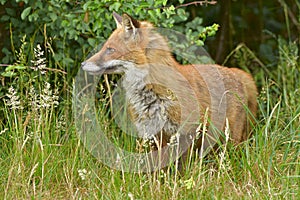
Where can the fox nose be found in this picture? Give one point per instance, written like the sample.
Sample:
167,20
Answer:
82,64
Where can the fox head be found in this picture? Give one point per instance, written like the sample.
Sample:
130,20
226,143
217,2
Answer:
132,45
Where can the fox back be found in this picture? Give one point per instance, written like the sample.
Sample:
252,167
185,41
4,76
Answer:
163,95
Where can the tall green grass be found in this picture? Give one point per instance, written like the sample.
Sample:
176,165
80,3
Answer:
42,157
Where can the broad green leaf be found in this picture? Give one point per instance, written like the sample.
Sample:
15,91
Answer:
25,13
8,74
12,67
3,2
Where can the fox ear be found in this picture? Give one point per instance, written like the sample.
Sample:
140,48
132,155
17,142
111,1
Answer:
118,19
130,25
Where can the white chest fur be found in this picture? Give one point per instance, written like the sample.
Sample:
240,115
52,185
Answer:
150,109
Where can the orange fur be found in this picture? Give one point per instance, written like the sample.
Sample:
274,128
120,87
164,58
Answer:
133,46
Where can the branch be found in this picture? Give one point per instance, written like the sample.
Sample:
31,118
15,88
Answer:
31,67
196,3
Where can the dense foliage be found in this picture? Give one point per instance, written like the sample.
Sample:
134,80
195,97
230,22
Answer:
73,28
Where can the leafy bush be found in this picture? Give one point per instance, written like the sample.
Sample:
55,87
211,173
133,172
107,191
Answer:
74,28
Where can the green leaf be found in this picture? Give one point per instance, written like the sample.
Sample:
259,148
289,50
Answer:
165,2
12,67
33,17
53,16
115,6
5,18
92,42
10,12
25,13
3,2
8,74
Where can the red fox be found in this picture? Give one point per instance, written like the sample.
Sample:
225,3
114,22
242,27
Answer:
164,95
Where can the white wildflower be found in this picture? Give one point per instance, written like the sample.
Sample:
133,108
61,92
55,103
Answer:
43,99
21,56
13,100
83,173
48,97
33,97
40,60
148,143
174,140
60,125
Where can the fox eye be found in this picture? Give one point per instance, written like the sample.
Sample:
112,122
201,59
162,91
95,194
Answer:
109,50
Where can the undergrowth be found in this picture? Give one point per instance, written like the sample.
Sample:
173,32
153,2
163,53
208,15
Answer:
42,157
